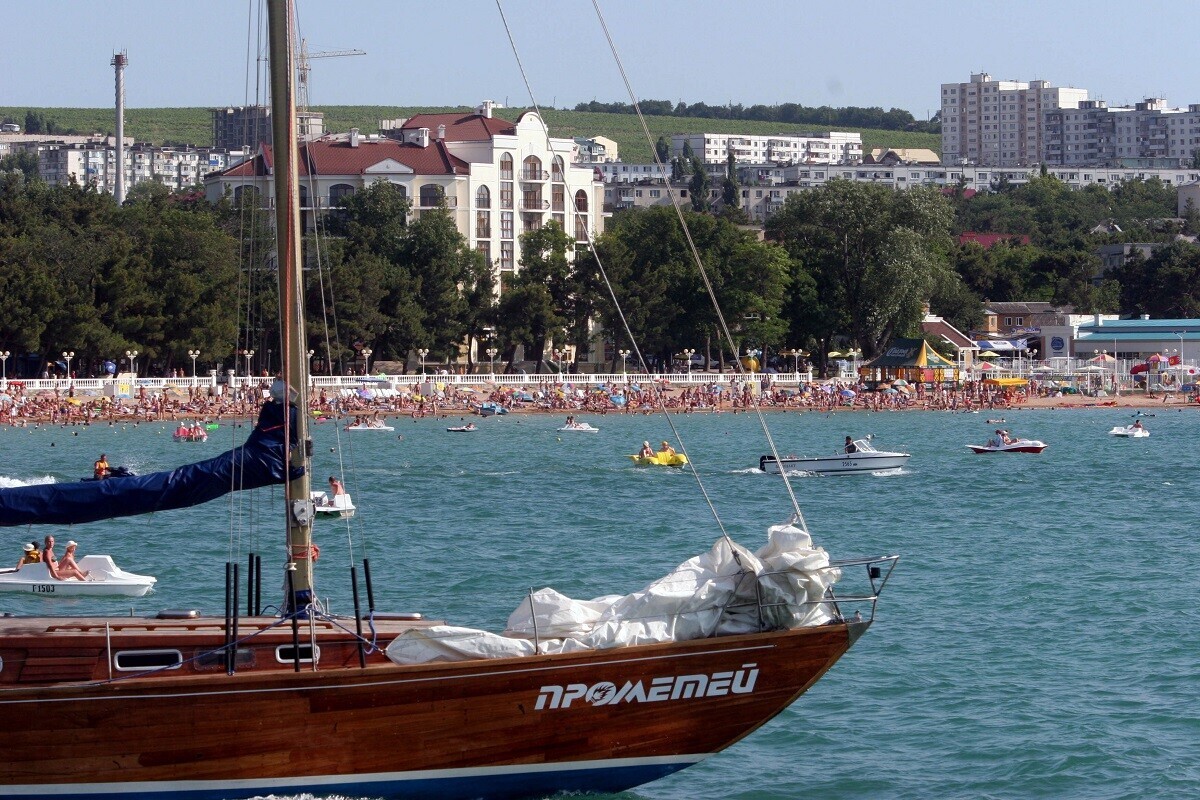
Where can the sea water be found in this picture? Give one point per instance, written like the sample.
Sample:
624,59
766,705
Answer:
1038,639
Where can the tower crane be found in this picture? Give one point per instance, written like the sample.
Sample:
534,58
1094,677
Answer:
303,68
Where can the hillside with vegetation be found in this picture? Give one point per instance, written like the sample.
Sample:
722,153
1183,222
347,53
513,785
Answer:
193,126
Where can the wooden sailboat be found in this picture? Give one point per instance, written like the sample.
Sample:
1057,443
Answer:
183,706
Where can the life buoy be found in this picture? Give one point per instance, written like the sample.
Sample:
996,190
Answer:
314,552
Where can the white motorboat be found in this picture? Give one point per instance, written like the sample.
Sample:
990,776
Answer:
579,427
865,458
339,505
1130,432
105,579
370,426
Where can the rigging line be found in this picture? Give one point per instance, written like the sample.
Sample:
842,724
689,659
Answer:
699,262
595,254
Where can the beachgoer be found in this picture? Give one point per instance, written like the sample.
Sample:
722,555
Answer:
1006,438
666,448
335,487
67,568
100,468
850,447
49,559
647,450
30,556
571,421
1137,424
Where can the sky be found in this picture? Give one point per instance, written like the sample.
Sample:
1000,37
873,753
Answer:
896,54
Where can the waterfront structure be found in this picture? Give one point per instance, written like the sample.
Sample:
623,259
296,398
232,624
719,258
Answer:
497,178
991,123
1139,338
833,147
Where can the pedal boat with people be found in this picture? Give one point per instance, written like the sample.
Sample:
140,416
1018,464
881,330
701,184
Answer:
105,579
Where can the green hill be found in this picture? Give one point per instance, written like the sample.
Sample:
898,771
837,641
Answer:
194,125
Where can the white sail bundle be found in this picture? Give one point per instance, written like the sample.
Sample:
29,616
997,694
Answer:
727,590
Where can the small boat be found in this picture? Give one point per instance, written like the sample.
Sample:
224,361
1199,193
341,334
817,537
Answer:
113,472
579,427
105,579
468,428
190,433
339,505
370,426
660,460
864,459
1130,432
1017,446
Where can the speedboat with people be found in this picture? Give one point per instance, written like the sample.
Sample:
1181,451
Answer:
1003,442
856,457
104,579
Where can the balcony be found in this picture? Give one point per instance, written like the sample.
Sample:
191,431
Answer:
433,201
534,175
535,205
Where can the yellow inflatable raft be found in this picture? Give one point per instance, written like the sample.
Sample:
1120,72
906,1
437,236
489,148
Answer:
661,460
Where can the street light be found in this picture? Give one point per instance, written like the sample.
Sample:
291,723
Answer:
249,354
309,362
753,355
624,354
67,356
491,354
424,351
194,354
687,357
558,356
366,351
4,367
132,356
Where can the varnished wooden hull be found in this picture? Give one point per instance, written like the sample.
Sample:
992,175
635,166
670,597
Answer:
481,729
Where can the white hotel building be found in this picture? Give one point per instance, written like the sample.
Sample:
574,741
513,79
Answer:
497,178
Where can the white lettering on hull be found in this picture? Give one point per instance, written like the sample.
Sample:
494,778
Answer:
677,687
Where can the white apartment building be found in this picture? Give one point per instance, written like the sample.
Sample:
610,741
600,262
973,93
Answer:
498,179
1148,131
992,123
834,147
95,163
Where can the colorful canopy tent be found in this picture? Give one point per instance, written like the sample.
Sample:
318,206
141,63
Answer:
1006,383
914,360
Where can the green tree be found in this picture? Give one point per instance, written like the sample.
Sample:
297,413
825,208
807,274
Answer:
23,162
731,195
700,186
662,149
537,304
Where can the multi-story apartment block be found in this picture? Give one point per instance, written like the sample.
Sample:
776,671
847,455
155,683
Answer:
834,147
1148,132
94,163
992,123
246,127
498,179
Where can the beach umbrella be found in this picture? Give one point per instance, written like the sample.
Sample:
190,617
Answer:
986,365
989,354
835,354
1092,368
1156,359
1139,368
1103,358
899,382
890,390
848,393
1044,368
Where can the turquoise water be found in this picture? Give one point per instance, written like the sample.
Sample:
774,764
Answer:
1038,638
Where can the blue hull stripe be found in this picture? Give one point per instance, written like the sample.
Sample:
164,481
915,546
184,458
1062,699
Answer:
490,783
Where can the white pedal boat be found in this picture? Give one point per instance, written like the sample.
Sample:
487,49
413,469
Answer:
337,506
105,579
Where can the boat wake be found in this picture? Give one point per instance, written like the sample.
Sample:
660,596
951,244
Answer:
11,483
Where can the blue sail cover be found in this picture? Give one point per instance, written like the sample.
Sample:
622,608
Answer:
261,461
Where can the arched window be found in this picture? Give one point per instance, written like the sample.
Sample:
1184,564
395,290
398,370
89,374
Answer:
338,192
303,196
431,195
483,198
556,171
246,194
531,169
506,167
581,201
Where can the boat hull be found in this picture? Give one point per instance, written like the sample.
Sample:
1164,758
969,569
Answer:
1019,447
498,729
1129,432
839,464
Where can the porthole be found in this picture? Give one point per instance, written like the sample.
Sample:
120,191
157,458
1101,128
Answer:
284,654
146,660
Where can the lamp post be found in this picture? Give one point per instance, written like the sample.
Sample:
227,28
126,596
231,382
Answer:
4,367
491,354
753,354
311,353
194,354
249,354
687,357
132,356
558,355
424,351
1102,355
366,351
67,356
624,354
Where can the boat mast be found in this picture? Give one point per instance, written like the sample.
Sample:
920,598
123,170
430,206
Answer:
280,20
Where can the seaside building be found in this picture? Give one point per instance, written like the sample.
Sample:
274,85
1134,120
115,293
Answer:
1178,340
247,127
833,147
498,179
991,123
